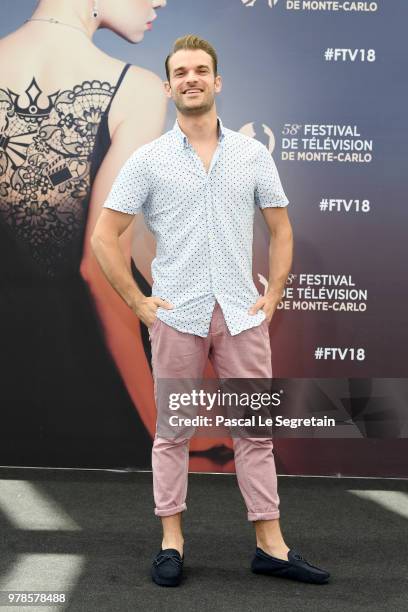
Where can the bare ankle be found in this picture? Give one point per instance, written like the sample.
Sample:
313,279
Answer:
173,541
172,532
274,549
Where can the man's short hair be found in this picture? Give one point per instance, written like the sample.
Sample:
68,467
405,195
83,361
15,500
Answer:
191,41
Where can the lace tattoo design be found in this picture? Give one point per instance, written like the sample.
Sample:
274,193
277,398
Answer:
45,157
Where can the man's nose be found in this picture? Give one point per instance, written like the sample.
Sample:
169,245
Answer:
159,3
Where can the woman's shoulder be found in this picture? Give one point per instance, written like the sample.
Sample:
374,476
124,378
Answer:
140,90
135,74
141,77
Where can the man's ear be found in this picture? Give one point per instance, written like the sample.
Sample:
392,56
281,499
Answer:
167,89
218,83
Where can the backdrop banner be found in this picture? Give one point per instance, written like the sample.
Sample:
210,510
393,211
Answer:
323,85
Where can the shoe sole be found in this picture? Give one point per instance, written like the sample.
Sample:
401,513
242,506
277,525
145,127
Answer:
169,582
307,581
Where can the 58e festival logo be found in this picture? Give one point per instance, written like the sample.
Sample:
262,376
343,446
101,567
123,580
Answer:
251,3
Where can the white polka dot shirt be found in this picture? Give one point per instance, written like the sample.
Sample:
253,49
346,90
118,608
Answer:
202,223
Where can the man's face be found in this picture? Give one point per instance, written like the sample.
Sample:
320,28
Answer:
193,84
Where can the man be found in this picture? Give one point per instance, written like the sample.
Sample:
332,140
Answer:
197,186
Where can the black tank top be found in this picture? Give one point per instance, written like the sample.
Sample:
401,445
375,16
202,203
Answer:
63,400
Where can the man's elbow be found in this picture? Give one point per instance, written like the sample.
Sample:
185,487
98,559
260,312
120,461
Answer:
288,231
107,231
99,239
282,231
95,240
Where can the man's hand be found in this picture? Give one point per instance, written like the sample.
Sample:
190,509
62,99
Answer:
146,307
267,303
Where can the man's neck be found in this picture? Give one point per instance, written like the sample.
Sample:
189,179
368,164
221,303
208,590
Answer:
199,128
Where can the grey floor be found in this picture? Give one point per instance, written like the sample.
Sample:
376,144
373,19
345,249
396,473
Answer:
92,535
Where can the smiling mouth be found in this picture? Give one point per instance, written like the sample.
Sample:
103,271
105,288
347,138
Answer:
192,91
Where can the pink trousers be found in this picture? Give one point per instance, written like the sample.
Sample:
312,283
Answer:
177,354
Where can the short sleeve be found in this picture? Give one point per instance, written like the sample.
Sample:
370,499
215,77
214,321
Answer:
130,189
268,189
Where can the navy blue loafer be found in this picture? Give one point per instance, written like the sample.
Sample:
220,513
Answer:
296,568
167,567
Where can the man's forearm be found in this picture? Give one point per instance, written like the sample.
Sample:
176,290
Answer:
112,261
280,260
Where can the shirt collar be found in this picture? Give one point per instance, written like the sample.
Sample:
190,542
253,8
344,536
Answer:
183,138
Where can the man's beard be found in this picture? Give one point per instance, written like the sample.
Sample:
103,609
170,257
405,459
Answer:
195,110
